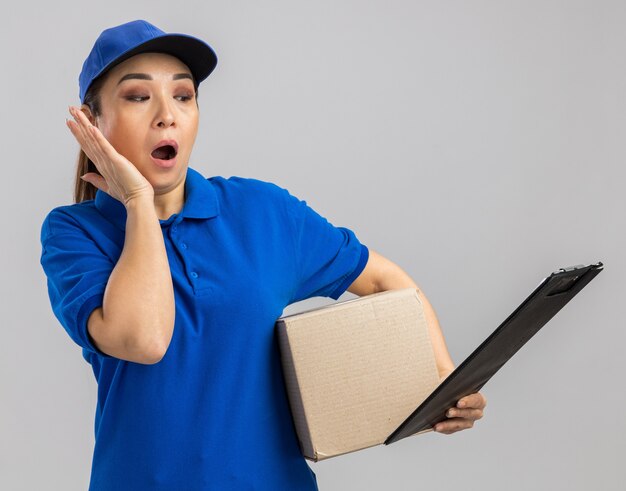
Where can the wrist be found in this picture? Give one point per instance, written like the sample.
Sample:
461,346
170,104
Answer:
139,202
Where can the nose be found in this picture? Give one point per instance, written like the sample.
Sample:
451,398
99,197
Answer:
164,113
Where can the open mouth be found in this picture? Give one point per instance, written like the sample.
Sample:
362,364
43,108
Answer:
166,152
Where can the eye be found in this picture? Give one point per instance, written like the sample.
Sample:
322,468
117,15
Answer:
134,98
139,98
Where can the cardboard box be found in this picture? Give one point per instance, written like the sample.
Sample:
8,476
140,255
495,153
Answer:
355,370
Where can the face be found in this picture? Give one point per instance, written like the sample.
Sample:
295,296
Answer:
138,111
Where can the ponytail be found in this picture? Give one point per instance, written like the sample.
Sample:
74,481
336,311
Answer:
84,190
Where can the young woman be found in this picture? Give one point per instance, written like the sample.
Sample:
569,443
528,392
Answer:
172,282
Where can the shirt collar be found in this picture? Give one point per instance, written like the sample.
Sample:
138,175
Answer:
201,201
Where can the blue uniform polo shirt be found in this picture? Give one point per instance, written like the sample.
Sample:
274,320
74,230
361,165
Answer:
213,414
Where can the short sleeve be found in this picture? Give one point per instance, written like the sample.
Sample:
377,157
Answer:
77,273
328,257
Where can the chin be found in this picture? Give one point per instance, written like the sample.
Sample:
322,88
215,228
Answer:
166,178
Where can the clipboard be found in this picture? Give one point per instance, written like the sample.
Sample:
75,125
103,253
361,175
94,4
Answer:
540,306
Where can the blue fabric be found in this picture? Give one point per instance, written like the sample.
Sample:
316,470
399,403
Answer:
213,413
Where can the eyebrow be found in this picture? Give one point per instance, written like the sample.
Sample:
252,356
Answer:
145,76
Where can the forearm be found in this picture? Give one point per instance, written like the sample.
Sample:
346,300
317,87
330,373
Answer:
139,297
399,279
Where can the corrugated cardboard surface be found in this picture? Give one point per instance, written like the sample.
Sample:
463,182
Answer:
355,370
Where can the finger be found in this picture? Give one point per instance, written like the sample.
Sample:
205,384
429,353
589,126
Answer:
476,400
79,119
97,180
84,125
90,144
103,144
78,129
96,146
453,425
470,413
80,139
75,126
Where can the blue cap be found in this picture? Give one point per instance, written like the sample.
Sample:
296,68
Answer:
119,43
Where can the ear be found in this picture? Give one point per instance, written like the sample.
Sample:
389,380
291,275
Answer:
85,108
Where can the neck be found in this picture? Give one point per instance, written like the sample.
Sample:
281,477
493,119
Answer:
170,202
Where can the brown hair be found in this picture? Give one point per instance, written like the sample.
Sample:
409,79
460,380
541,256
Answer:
84,190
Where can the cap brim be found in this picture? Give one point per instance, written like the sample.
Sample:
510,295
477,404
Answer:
196,54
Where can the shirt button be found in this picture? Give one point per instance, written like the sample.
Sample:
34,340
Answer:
194,274
174,228
183,245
